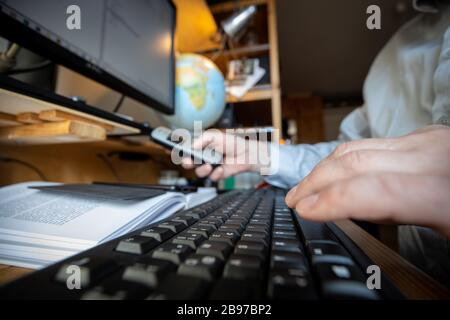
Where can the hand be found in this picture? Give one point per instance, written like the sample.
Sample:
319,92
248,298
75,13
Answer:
403,180
239,154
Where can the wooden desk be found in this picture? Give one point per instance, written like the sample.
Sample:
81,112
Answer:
411,281
8,273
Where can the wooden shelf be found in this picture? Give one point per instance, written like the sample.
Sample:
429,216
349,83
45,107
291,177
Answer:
258,93
248,50
272,92
52,132
28,120
233,5
85,162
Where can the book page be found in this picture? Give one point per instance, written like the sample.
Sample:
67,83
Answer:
36,214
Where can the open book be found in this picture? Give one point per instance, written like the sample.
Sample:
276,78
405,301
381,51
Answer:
38,228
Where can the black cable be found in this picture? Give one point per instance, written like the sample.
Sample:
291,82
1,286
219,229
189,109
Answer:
38,66
119,104
26,164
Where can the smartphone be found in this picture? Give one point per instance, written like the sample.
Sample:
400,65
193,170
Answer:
163,136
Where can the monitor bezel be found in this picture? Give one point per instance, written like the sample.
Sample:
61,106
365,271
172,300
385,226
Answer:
17,32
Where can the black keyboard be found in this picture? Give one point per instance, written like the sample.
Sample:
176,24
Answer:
240,245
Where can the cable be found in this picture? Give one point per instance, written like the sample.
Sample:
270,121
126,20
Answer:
26,164
119,104
36,67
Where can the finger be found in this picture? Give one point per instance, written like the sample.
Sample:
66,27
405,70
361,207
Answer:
384,197
203,170
348,166
291,198
217,174
187,163
231,170
366,144
225,171
213,138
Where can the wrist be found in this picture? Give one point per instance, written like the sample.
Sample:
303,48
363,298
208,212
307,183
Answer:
259,155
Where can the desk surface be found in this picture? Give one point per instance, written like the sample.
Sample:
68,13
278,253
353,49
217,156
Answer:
410,280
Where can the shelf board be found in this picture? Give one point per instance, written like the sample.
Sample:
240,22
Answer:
262,92
52,132
253,49
233,5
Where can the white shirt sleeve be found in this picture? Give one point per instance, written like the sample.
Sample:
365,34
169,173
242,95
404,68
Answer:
292,163
441,84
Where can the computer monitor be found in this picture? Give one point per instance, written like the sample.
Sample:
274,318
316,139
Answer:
125,45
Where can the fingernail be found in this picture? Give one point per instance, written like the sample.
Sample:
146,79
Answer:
308,202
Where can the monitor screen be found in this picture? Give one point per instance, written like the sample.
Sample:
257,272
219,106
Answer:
126,45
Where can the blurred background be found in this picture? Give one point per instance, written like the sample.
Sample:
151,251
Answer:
325,52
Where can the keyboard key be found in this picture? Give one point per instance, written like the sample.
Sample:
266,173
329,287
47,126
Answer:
289,229
221,217
175,253
251,245
180,287
284,237
282,210
173,225
160,234
341,281
185,219
259,215
281,234
255,236
220,250
259,222
206,267
193,240
239,219
92,269
204,230
232,229
148,273
202,212
236,226
286,245
285,220
328,251
239,222
196,213
285,260
243,267
283,225
137,244
255,228
292,285
216,223
227,237
98,293
117,290
260,254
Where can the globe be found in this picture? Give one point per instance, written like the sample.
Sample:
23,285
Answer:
199,93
